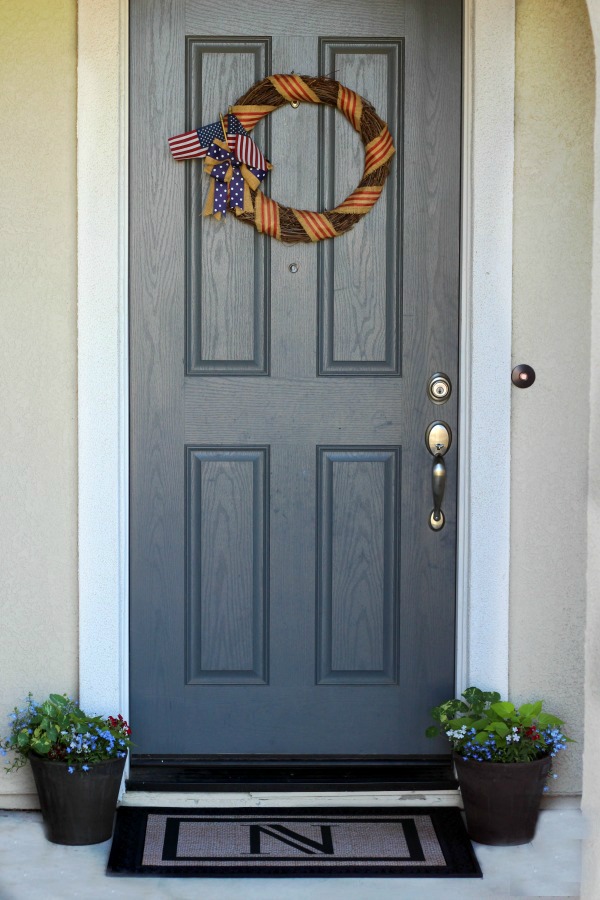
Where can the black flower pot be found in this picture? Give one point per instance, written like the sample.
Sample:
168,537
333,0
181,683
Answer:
77,808
502,800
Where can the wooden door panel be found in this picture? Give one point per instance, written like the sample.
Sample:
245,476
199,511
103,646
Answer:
228,570
378,17
361,276
358,586
227,277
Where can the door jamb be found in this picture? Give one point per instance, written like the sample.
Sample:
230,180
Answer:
486,296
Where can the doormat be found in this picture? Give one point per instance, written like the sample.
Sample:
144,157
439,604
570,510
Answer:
380,842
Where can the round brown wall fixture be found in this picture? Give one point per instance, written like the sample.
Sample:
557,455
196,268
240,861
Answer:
523,376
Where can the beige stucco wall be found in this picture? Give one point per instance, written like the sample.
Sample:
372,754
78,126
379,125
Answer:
38,475
554,121
591,782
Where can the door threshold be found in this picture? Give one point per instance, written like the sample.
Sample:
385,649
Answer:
279,799
285,774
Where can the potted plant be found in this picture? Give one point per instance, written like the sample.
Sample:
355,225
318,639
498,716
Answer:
77,762
503,757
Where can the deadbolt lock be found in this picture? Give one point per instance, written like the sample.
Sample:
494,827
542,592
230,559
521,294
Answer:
439,387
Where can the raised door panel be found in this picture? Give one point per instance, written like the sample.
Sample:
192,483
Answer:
228,573
358,578
227,268
360,277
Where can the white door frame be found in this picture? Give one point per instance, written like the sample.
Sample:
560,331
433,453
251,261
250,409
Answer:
484,429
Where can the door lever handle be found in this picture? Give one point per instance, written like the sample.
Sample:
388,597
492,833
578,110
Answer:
438,438
438,483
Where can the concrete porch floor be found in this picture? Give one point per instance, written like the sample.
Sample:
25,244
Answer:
31,868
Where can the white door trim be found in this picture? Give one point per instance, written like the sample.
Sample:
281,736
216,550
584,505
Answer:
486,334
102,205
484,490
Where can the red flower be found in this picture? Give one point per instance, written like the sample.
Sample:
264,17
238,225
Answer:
119,723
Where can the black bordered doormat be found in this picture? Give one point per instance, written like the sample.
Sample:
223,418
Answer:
380,842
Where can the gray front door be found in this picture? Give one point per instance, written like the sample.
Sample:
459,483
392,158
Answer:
287,593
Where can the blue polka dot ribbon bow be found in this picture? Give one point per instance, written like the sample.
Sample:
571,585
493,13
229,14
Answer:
236,166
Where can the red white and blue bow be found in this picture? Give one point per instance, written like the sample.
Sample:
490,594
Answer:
233,161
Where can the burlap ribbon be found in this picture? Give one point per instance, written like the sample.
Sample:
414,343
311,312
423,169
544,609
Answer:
233,178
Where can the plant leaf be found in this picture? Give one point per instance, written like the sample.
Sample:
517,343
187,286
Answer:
501,728
547,719
42,747
458,723
58,699
481,723
473,694
491,696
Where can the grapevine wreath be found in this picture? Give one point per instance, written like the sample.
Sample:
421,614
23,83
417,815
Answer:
237,167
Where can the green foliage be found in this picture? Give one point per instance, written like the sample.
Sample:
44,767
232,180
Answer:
481,726
60,730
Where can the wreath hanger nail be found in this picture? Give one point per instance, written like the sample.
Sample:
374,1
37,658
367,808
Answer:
237,167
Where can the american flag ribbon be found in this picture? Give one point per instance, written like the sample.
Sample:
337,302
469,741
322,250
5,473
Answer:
232,180
195,144
247,152
236,166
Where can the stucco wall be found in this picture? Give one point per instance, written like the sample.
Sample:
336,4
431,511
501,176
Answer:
591,782
554,121
38,475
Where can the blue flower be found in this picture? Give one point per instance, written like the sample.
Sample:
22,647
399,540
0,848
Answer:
70,770
85,768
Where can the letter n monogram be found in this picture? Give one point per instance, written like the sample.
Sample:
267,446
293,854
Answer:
291,838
